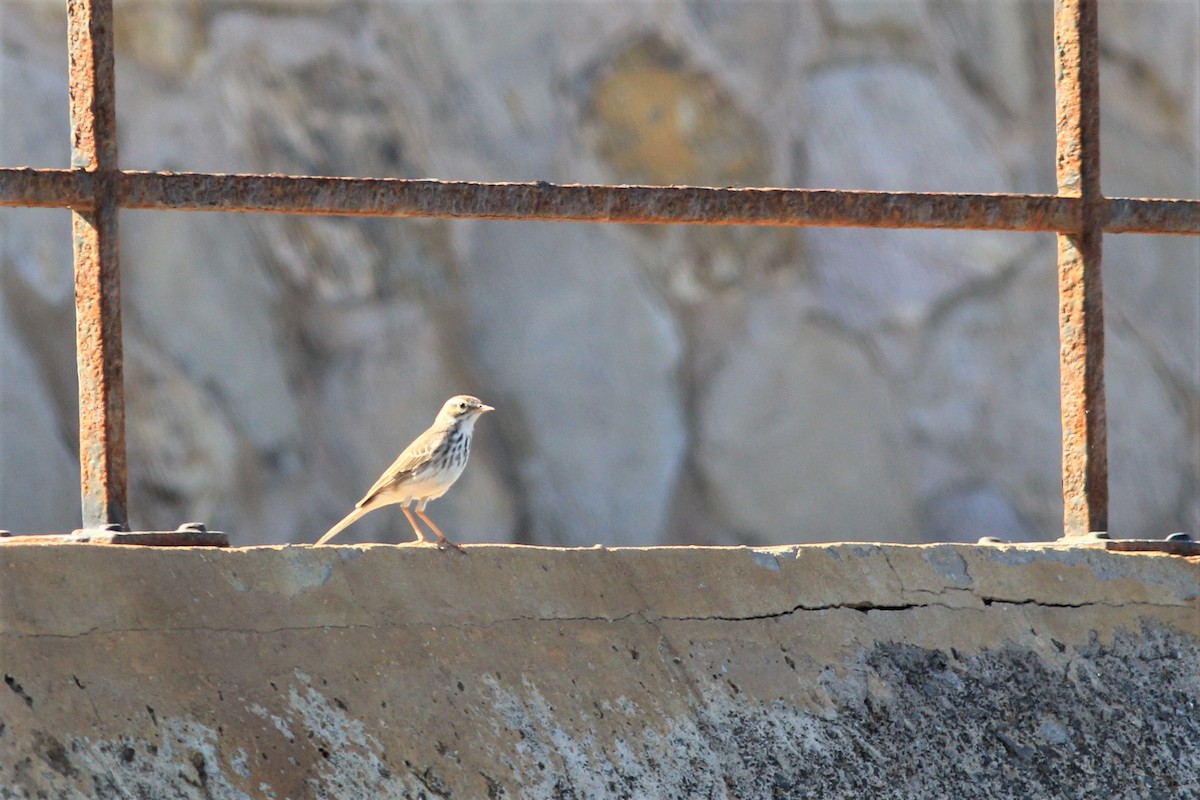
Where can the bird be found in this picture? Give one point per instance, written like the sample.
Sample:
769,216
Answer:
425,470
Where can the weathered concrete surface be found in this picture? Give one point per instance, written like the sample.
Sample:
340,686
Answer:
401,671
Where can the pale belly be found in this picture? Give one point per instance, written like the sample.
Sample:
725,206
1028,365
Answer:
429,487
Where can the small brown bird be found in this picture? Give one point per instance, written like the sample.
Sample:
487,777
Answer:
426,469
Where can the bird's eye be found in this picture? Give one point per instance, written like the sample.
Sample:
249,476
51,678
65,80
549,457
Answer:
462,405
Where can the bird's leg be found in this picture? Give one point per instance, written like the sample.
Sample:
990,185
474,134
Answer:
444,541
413,522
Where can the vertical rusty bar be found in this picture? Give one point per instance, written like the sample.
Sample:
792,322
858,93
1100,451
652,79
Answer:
97,276
1081,314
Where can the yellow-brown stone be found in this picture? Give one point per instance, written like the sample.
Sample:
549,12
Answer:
663,121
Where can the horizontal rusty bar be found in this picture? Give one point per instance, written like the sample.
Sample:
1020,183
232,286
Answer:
1133,215
23,187
280,194
580,203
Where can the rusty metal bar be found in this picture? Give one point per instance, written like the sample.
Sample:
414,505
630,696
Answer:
102,472
275,194
1133,215
641,204
1080,296
545,201
22,187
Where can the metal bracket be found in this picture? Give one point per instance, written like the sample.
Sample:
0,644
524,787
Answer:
192,534
1175,547
1176,544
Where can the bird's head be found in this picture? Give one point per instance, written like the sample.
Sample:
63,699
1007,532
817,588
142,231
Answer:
463,407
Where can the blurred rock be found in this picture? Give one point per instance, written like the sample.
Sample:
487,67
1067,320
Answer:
996,48
800,439
39,466
758,53
1155,45
890,128
1153,280
972,514
660,120
197,284
34,129
1153,441
183,453
985,408
872,16
167,37
585,360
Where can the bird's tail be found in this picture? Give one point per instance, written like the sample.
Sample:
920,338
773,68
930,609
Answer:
341,526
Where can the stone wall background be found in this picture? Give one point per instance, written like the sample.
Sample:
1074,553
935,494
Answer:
654,384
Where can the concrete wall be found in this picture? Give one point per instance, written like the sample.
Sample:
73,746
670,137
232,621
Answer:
397,671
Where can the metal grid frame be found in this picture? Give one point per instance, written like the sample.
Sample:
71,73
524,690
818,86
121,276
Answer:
95,188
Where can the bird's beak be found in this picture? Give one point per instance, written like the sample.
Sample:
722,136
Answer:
484,409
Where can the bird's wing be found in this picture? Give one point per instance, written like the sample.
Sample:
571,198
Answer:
414,455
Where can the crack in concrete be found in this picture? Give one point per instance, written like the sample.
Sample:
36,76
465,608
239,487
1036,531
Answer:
866,607
87,695
888,560
862,607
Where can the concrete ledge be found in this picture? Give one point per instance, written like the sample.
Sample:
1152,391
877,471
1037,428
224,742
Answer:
401,671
